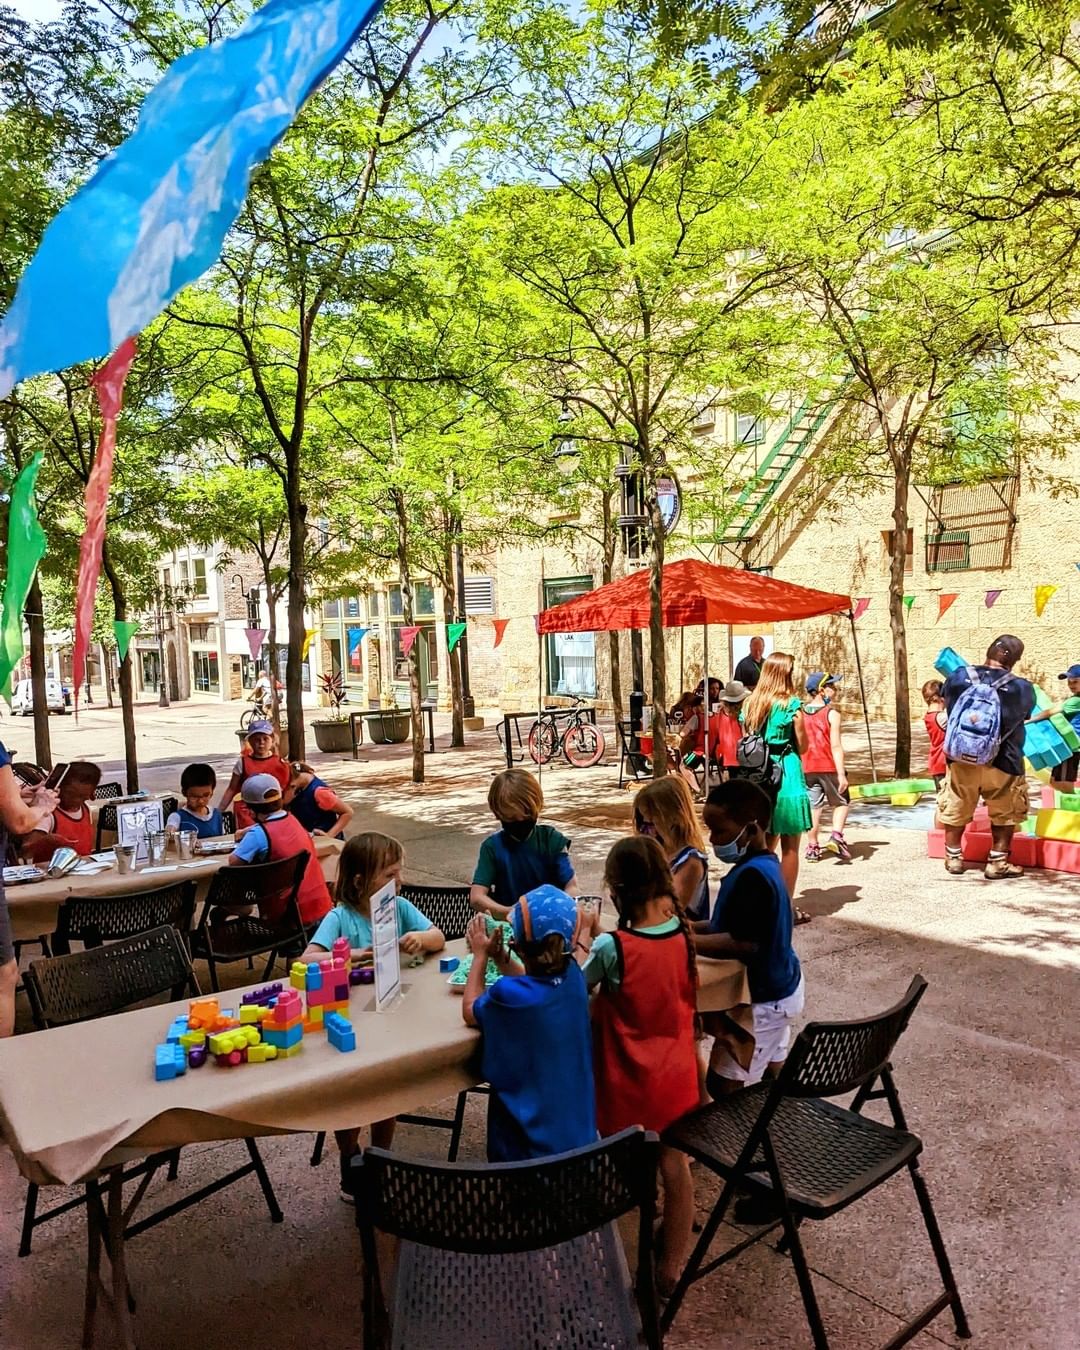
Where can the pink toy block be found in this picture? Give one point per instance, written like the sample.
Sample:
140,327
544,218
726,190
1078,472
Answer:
1047,798
1061,855
1025,851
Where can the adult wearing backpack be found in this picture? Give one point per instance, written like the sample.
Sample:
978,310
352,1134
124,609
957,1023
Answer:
984,748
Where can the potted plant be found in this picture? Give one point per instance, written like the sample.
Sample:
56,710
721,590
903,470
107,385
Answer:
391,725
333,733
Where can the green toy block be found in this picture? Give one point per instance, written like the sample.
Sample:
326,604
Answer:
1067,801
901,787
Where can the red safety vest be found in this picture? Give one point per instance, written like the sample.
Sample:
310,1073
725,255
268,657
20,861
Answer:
287,838
77,834
274,765
725,733
644,1058
936,732
819,755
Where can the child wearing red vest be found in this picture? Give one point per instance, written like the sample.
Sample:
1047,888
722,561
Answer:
935,721
644,1055
259,755
71,824
276,834
823,766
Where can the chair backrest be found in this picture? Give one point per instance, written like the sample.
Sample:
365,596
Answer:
106,822
168,806
507,1207
98,919
447,907
228,822
268,886
830,1059
104,791
104,980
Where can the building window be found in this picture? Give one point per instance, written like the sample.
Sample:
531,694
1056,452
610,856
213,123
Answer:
888,538
200,632
705,420
571,657
394,605
479,595
748,429
948,551
182,573
151,670
354,647
373,604
971,526
198,578
204,672
331,609
424,598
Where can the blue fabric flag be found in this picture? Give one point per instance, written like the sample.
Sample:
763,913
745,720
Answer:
153,216
356,636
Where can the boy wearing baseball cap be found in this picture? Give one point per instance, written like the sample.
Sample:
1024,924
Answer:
1068,771
259,755
274,835
823,766
537,1046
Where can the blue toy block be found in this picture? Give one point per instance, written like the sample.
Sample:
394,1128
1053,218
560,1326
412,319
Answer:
339,1032
178,1028
170,1061
314,977
448,964
283,1039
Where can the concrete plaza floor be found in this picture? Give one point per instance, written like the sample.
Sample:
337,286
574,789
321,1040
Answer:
989,1073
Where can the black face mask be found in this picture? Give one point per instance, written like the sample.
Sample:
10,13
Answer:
519,830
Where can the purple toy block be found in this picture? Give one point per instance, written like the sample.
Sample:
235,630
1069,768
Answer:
367,975
264,995
196,1056
356,975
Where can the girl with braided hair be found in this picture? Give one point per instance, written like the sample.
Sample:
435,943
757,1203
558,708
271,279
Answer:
644,1055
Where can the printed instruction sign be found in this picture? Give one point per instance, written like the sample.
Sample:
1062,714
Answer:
135,821
384,943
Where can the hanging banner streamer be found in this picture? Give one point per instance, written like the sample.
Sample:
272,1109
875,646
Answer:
408,637
109,386
356,636
945,602
255,638
862,604
500,628
309,633
152,218
125,630
991,596
1042,598
909,600
536,624
25,549
454,633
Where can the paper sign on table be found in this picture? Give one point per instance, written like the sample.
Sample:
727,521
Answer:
134,822
384,942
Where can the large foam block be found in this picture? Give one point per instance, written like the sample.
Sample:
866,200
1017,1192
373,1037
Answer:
899,787
1060,854
1058,825
1026,850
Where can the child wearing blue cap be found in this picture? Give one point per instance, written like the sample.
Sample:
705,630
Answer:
259,755
1068,772
537,1046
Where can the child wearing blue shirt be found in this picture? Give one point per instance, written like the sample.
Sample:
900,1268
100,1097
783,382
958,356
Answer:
197,783
524,854
537,1047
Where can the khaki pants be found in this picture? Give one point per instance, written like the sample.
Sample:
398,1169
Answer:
1005,795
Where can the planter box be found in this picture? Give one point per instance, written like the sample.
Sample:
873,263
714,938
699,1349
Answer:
388,727
332,736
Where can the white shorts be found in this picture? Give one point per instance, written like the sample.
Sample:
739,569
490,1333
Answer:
772,1038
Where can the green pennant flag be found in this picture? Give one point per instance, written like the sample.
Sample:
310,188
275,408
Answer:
909,600
125,630
25,549
454,633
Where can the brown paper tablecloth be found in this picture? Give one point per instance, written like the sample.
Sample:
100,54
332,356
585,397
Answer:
33,907
70,1096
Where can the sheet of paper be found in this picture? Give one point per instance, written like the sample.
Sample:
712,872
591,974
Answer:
168,867
384,941
89,868
134,821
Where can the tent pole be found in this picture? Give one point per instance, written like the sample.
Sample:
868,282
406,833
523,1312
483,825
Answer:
707,707
862,694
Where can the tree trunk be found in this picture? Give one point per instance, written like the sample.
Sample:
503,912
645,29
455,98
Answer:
297,510
35,621
405,577
607,566
106,674
657,654
901,488
127,703
272,598
450,607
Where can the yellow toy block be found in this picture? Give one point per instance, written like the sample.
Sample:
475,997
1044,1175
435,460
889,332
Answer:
252,1012
853,789
259,1054
315,1015
905,799
298,976
1051,824
239,1038
250,1034
289,1050
190,1038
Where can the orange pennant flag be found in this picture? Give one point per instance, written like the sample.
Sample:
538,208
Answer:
945,602
1042,597
500,628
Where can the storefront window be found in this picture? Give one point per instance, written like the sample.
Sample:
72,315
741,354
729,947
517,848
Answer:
151,669
425,598
571,657
331,609
204,671
354,669
352,607
394,599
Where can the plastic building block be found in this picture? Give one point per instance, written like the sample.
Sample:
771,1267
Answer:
252,1014
263,995
1067,801
177,1030
356,975
1026,850
1061,855
196,1056
259,1054
1058,825
298,975
897,786
448,964
367,975
170,1061
284,1038
905,799
339,1032
314,977
203,1014
232,1059
342,951
190,1038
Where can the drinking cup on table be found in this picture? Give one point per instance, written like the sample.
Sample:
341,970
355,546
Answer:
185,843
125,858
159,841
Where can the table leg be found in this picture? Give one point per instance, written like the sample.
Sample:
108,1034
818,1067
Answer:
430,730
105,1233
506,743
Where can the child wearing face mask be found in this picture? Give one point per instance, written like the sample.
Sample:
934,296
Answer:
751,920
523,854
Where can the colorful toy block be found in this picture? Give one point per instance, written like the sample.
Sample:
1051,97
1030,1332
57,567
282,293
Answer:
448,964
177,1030
298,975
232,1059
196,1056
339,1032
342,951
252,1014
1060,855
263,995
284,1038
1026,850
170,1061
203,1014
259,1054
1063,825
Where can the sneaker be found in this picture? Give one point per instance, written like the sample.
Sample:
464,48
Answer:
999,868
954,864
839,845
347,1197
813,853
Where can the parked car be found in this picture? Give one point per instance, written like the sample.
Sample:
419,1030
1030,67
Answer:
23,698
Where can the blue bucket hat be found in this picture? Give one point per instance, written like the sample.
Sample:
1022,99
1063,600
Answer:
544,911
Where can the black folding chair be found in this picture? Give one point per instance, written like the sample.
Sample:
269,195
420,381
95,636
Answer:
106,791
108,918
228,822
96,983
223,938
811,1157
511,1254
634,764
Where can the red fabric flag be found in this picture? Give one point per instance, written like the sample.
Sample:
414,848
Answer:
109,386
945,601
862,604
408,637
500,628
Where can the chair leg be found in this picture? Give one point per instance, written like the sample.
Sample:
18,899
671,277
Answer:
174,1164
317,1151
276,1215
802,1274
211,968
697,1256
922,1194
29,1213
456,1128
269,966
94,1239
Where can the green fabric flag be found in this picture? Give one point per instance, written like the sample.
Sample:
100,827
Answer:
25,549
454,633
125,630
909,600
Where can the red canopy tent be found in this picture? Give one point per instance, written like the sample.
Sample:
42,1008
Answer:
696,592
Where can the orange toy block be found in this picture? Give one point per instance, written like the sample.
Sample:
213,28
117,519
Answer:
203,1014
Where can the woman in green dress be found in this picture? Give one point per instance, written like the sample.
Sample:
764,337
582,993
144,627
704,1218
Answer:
774,710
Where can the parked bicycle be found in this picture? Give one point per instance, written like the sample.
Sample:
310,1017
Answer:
581,742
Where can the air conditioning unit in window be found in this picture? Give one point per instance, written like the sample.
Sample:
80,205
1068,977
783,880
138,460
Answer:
479,595
705,420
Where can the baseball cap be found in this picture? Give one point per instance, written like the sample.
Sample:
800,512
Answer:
819,679
544,911
1073,673
261,788
261,726
734,692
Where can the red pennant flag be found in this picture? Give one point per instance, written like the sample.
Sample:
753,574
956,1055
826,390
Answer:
945,602
109,386
861,606
991,596
500,628
408,637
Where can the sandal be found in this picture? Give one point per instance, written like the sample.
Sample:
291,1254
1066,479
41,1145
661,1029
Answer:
801,916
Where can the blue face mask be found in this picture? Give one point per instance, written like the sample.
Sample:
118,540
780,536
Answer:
732,851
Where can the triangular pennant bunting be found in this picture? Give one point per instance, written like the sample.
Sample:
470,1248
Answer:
991,596
909,600
1042,598
25,549
500,628
356,636
945,602
309,633
408,637
453,635
862,604
255,638
125,630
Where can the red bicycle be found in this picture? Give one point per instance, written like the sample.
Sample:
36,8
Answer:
582,743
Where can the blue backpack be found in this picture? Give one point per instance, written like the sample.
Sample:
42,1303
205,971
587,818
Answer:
973,733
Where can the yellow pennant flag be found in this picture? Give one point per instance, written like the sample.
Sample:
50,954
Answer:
309,633
1042,597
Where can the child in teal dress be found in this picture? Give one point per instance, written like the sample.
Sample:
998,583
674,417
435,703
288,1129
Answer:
774,710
